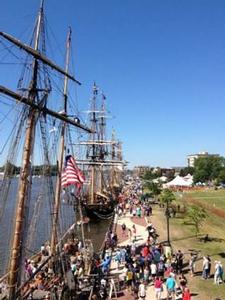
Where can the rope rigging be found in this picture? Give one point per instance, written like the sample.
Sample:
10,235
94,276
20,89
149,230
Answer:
10,161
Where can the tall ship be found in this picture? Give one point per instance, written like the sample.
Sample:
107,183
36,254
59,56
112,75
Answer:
102,161
37,225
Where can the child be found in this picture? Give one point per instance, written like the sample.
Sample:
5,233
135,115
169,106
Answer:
186,294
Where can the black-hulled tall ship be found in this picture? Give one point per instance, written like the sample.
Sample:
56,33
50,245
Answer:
103,163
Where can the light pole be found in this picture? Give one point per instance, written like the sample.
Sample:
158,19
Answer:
167,213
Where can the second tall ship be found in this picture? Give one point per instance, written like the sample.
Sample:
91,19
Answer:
102,162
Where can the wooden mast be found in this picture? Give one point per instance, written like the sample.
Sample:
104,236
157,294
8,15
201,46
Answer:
93,151
61,154
102,146
15,261
113,159
120,158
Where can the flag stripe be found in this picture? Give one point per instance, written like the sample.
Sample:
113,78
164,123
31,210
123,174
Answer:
71,174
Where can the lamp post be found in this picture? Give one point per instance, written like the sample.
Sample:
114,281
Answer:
167,197
167,213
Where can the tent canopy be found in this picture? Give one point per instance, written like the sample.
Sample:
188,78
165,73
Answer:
180,181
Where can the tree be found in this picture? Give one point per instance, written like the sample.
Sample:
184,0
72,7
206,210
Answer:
187,170
208,168
221,177
10,169
167,197
170,174
154,188
197,216
150,175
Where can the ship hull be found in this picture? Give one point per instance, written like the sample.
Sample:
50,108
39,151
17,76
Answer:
99,212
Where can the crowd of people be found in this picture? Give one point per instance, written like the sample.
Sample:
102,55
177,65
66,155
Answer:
152,263
149,265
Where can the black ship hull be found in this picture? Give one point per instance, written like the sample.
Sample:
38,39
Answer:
99,212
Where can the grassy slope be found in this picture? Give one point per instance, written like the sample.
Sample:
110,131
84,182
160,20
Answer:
214,226
211,198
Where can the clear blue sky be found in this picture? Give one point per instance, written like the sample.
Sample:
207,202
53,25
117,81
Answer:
161,64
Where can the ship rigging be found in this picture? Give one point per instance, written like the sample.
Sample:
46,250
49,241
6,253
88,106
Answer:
32,98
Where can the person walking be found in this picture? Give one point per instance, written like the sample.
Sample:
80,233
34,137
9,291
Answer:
130,234
192,264
179,262
134,231
158,285
205,267
218,275
153,268
209,269
186,294
182,282
170,286
124,227
142,291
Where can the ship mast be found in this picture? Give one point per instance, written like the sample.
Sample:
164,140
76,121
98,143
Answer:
102,147
120,158
15,261
36,106
93,148
113,156
61,153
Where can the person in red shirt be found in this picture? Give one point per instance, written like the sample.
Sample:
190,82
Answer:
186,294
145,251
158,285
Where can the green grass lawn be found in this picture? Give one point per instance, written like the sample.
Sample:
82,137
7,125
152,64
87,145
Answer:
212,198
182,236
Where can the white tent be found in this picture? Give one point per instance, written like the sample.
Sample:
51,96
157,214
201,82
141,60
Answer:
179,181
188,176
160,179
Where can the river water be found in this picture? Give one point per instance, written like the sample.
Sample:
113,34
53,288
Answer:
41,231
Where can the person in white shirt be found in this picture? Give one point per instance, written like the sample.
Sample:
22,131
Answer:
153,270
142,291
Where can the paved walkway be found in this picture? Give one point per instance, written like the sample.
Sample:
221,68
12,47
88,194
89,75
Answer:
142,235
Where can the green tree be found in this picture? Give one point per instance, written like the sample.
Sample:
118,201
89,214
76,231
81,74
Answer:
10,169
221,177
150,175
197,216
154,188
170,174
208,168
187,170
167,197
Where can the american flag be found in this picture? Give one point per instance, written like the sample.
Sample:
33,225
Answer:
71,174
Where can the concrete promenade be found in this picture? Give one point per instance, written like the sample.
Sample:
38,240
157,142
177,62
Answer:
141,238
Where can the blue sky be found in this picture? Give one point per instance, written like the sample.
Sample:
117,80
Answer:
161,64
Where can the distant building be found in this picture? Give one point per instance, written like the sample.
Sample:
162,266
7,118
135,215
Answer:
140,170
168,172
192,157
177,170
